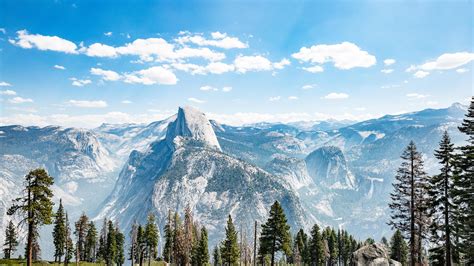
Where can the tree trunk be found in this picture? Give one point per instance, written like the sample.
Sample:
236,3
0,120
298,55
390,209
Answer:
273,253
412,214
29,245
446,218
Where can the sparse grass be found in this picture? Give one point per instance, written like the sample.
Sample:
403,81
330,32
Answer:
17,262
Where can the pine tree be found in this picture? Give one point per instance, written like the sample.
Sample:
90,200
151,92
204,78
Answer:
11,240
59,236
133,243
101,252
203,248
111,246
152,237
34,206
68,244
347,250
120,242
407,204
80,232
275,234
216,256
301,240
316,247
464,190
230,247
441,204
332,245
91,243
188,234
141,245
179,246
168,247
398,248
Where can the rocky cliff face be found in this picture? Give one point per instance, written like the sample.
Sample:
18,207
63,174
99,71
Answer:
188,168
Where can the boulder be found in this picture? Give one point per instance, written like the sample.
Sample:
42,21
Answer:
373,255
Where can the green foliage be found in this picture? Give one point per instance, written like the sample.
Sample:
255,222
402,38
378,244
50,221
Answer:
398,248
168,247
11,240
275,234
111,246
80,231
151,237
216,256
120,243
91,243
230,248
369,241
316,246
59,233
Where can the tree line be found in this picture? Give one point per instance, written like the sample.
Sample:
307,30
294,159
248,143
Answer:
437,210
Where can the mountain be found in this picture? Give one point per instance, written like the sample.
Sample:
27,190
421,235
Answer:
82,167
188,167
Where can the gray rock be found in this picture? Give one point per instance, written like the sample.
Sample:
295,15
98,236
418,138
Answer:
373,255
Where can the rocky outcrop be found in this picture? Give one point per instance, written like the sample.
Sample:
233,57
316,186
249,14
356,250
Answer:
373,255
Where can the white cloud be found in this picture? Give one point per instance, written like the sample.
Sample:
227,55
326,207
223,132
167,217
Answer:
16,100
108,34
195,100
5,84
105,74
88,104
274,98
220,40
280,65
421,74
386,71
308,86
59,67
292,98
448,61
80,82
44,43
148,49
8,92
389,61
126,102
218,68
244,64
226,89
314,69
416,96
345,55
208,88
336,96
3,30
152,75
462,70
101,50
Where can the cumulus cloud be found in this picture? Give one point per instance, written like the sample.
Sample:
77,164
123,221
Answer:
462,70
126,102
280,65
87,104
5,84
247,63
308,86
208,88
17,100
416,96
152,75
8,92
59,67
227,89
100,50
212,67
80,82
314,69
105,74
220,40
195,100
274,98
345,55
44,43
448,61
386,71
420,74
336,96
389,61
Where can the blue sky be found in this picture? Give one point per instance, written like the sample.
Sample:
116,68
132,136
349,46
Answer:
81,63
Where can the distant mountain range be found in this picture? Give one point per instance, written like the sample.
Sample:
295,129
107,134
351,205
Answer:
330,172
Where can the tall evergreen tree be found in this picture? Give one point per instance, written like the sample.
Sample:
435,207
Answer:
203,248
133,243
111,246
91,243
464,190
332,245
168,247
120,243
301,240
35,206
11,240
59,233
152,237
230,247
216,256
275,235
398,248
141,245
407,200
68,245
441,204
101,252
316,247
179,246
188,234
80,232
